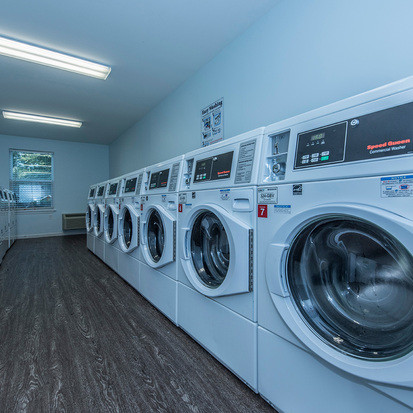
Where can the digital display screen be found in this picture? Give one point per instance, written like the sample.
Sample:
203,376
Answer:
154,181
113,189
159,179
101,190
163,178
322,146
214,168
92,192
130,185
317,136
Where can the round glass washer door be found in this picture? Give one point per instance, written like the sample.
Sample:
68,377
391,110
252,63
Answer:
210,250
110,223
89,215
98,219
127,228
352,283
156,235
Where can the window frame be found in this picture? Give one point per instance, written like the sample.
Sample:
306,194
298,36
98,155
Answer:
12,182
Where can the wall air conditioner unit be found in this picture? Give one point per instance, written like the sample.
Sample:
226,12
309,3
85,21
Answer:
73,221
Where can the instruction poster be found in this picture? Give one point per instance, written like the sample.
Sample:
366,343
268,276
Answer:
212,123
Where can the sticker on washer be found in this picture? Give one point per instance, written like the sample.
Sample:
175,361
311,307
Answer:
282,209
298,189
224,194
182,198
263,211
174,177
245,162
397,186
138,187
143,199
268,195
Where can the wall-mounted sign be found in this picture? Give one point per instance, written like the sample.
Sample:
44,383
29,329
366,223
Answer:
212,123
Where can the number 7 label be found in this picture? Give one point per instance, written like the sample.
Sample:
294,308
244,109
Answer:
262,211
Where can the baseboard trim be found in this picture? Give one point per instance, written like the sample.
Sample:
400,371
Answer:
51,234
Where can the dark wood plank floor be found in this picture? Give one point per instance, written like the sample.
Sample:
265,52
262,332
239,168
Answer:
75,337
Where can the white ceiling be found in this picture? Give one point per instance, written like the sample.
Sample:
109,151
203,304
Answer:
151,45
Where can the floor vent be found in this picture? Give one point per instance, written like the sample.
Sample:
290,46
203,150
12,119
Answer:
73,221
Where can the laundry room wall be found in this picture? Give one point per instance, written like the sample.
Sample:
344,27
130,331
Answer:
299,56
76,166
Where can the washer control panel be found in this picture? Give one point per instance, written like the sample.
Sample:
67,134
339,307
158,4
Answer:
380,134
321,146
130,185
113,189
101,190
159,179
214,168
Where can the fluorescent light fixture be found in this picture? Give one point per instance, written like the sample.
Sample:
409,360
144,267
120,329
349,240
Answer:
23,51
41,119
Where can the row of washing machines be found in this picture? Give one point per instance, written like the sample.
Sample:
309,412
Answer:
286,252
8,220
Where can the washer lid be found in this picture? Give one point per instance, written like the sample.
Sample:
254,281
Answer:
353,284
128,228
158,236
210,249
217,252
111,223
98,220
90,212
340,276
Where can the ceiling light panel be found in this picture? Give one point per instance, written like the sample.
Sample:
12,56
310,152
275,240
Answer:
23,51
41,119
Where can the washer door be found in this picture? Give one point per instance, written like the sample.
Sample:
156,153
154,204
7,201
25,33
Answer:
111,223
158,237
217,252
353,284
90,216
99,220
128,228
343,282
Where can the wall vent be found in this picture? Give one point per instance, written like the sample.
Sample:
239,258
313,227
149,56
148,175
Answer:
73,221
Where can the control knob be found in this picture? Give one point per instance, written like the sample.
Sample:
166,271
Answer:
279,168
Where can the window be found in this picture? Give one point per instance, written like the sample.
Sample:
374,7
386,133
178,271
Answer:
31,178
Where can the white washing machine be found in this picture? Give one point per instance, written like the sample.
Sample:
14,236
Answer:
335,264
100,207
10,217
217,294
3,224
110,224
159,208
129,226
14,216
90,218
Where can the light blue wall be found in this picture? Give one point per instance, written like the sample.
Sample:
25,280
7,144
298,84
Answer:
301,55
76,166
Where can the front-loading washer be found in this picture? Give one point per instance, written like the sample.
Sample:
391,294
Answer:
159,208
90,218
3,225
129,227
10,217
14,217
99,220
335,264
217,294
110,224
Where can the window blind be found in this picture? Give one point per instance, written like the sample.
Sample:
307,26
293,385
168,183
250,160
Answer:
31,178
